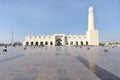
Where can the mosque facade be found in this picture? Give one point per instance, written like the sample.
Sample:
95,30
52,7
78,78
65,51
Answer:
91,37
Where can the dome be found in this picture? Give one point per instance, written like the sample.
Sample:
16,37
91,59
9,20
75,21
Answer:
90,9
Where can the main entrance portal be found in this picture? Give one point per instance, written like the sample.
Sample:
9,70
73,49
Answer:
58,42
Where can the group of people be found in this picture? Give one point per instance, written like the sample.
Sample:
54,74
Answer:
5,49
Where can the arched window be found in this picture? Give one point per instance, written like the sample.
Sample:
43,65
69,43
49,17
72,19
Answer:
46,43
32,43
71,43
82,43
51,43
27,43
36,43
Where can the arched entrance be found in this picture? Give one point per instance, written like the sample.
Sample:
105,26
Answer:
82,43
32,43
27,43
58,42
41,43
46,43
76,42
71,43
36,43
66,42
86,42
51,43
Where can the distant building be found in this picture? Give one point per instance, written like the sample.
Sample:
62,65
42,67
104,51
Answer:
91,37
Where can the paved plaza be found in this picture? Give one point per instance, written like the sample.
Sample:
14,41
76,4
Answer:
60,63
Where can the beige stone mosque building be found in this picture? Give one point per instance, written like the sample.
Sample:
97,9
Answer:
91,37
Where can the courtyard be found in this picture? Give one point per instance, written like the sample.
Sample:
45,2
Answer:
60,63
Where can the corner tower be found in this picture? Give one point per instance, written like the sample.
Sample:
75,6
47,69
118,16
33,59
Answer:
92,32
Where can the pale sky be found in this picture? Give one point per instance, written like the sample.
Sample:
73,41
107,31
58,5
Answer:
47,17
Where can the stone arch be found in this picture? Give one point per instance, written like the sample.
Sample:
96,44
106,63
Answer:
51,43
32,43
82,43
46,43
71,43
86,42
36,43
66,43
76,42
58,42
41,43
27,43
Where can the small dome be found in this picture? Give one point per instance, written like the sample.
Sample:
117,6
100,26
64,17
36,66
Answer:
90,9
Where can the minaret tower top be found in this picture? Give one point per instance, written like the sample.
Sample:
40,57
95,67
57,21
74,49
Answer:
91,21
90,9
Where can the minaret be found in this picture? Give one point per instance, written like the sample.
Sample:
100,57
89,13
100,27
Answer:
92,33
91,20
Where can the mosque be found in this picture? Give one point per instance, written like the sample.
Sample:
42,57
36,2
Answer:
91,37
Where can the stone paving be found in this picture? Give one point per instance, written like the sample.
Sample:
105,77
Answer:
56,63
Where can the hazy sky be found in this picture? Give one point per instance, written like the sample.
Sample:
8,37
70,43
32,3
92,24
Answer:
47,17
